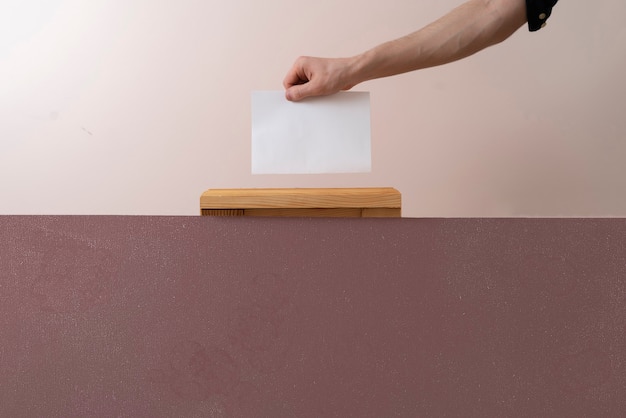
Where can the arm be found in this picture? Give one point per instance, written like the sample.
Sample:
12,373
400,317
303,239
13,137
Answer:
471,27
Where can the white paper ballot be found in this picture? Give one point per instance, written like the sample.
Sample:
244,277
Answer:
328,134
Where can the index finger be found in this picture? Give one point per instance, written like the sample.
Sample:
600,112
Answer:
296,75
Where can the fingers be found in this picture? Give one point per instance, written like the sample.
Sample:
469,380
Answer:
297,74
297,79
298,92
310,76
311,88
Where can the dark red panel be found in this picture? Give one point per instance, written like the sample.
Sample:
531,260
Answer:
220,317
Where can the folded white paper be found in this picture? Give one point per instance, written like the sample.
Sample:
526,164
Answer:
328,134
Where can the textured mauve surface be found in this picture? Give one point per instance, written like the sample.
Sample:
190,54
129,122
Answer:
221,317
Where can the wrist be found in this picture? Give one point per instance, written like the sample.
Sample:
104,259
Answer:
357,69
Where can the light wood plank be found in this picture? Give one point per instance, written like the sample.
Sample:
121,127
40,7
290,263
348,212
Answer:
386,197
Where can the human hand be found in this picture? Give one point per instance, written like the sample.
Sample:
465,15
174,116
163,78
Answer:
310,76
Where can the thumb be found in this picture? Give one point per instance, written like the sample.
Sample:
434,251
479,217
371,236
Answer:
298,92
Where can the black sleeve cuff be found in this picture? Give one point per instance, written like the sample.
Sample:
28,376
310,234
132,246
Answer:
538,12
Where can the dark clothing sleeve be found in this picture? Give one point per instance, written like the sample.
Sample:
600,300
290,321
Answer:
538,12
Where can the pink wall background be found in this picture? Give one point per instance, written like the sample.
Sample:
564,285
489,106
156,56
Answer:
136,107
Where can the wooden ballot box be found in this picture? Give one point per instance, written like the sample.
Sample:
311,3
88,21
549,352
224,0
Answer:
378,202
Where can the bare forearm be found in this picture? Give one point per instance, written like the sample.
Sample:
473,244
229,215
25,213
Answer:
469,28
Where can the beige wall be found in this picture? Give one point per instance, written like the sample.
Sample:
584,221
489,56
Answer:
137,106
